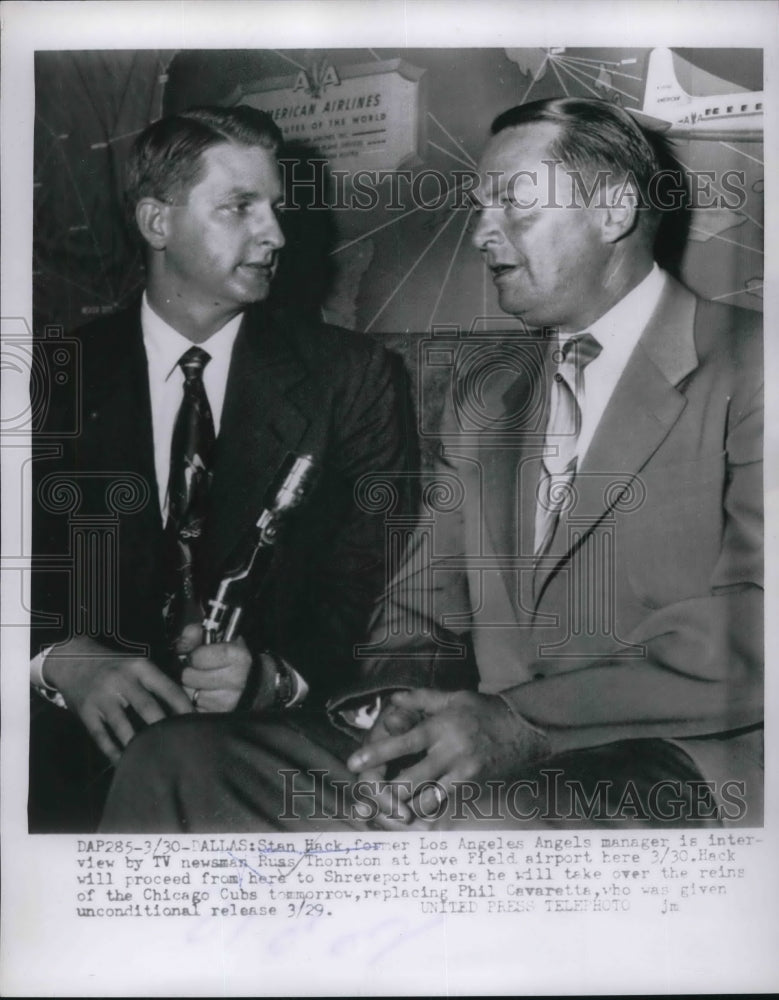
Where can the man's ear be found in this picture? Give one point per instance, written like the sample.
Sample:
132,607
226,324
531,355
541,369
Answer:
620,213
151,216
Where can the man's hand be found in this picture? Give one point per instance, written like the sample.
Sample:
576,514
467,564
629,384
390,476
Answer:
219,672
392,721
463,737
99,685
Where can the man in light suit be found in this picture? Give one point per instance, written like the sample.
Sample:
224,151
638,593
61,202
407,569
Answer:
614,598
204,190
596,542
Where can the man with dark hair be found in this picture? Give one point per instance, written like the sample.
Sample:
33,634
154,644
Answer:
187,405
606,560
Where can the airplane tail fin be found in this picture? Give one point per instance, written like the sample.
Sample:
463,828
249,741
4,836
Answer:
662,94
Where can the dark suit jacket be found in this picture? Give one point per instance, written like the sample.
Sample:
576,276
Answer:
646,618
291,387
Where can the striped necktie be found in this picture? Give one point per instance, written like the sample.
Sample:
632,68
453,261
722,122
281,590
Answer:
190,477
562,434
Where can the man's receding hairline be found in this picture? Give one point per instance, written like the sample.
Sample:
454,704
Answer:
559,132
556,127
510,132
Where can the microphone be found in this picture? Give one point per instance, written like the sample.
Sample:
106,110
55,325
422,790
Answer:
287,491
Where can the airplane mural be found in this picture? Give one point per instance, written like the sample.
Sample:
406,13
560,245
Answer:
734,117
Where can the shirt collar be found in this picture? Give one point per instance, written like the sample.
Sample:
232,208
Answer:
165,346
619,329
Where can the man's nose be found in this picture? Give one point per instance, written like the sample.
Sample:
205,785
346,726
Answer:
266,228
486,230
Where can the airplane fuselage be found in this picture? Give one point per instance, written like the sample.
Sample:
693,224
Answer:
737,117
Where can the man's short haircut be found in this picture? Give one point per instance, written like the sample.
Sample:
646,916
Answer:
596,136
166,158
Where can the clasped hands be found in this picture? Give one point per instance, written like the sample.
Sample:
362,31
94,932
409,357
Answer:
112,694
461,736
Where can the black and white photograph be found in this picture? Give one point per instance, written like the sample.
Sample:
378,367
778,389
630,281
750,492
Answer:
386,522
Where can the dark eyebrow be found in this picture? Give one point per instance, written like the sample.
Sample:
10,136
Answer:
251,194
241,193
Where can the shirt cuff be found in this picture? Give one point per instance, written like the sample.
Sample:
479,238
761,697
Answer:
539,738
39,683
362,716
298,686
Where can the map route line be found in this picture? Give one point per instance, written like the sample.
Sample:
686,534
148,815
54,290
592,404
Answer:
84,212
451,138
596,64
449,269
43,161
717,236
384,225
535,79
131,278
129,80
735,149
43,270
372,232
576,79
738,291
289,59
88,92
459,159
104,143
746,215
552,63
577,74
410,271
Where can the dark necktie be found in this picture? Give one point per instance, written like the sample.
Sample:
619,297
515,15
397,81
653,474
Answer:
562,433
190,477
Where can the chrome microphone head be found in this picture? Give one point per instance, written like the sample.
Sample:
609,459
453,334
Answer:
293,481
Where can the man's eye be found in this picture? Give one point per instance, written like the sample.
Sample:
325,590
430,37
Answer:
237,207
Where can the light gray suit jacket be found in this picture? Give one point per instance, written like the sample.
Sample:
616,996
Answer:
646,618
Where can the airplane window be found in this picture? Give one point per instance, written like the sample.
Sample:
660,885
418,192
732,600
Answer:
715,111
730,107
743,107
707,111
759,106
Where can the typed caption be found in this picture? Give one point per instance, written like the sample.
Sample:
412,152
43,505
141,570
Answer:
291,876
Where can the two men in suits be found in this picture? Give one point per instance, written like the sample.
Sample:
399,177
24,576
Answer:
140,562
600,550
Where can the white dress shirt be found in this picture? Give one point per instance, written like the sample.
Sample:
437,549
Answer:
164,347
617,331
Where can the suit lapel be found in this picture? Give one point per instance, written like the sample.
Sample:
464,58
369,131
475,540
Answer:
264,417
643,408
510,452
118,419
261,422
